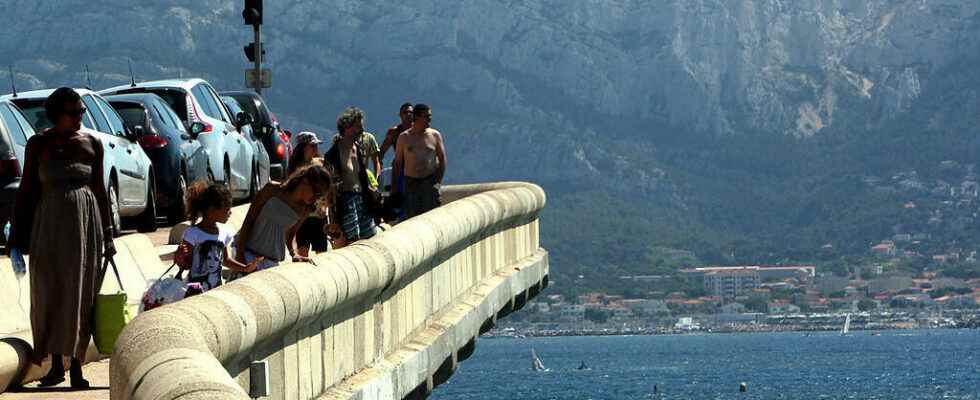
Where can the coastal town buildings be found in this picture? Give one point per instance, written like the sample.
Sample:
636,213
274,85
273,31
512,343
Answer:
732,282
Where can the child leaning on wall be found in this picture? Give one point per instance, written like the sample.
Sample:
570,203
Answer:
204,246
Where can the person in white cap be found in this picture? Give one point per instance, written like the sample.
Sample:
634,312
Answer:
305,149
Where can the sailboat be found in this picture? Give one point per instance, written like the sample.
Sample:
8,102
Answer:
847,325
536,364
583,367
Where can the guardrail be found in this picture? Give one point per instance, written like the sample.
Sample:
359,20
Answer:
382,318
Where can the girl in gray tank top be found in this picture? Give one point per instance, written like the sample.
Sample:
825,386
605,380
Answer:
275,215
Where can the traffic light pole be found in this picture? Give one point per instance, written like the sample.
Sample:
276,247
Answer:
258,58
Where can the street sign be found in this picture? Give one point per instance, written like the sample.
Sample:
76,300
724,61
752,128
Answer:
250,80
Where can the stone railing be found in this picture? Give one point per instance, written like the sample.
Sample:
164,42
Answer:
384,318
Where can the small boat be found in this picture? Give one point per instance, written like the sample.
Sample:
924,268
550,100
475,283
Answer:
536,364
847,325
583,367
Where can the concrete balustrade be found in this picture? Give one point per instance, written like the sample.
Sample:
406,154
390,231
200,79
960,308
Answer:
383,318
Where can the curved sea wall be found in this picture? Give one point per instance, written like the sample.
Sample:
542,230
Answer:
388,317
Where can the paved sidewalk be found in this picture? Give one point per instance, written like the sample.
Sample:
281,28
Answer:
97,374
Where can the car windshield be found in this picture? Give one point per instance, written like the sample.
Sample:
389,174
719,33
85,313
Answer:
34,112
175,98
132,114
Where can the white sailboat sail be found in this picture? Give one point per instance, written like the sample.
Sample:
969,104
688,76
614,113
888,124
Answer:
536,364
847,325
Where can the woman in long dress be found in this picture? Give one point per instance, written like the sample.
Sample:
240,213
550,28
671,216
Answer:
59,213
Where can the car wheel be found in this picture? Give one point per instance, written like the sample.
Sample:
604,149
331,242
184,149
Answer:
114,211
178,210
147,221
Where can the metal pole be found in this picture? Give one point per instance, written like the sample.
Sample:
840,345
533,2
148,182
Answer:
258,59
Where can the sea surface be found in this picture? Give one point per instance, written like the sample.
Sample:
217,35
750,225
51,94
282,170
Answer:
924,364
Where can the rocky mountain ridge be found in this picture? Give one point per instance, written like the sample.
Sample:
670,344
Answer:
693,118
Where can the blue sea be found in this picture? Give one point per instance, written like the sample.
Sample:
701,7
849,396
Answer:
926,364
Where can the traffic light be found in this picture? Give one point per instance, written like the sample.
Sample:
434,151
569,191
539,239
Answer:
250,52
252,12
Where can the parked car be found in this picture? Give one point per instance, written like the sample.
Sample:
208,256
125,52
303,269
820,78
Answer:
230,157
262,162
128,171
14,132
267,129
179,158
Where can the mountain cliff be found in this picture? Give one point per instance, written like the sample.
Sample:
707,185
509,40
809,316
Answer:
740,130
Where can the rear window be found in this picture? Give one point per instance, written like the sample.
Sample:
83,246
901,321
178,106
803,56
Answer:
34,112
132,114
11,126
24,125
253,108
167,114
175,98
204,98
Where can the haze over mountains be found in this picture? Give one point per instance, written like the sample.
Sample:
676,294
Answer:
745,131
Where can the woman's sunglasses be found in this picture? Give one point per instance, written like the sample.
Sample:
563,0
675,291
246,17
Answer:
77,112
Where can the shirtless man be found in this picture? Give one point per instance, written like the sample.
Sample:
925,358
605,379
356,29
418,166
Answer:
391,138
420,153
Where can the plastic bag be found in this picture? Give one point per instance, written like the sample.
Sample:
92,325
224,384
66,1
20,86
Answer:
17,261
163,291
16,257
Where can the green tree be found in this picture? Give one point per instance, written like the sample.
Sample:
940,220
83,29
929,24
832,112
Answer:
596,315
867,305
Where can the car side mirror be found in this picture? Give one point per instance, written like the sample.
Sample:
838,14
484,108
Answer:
243,119
196,128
